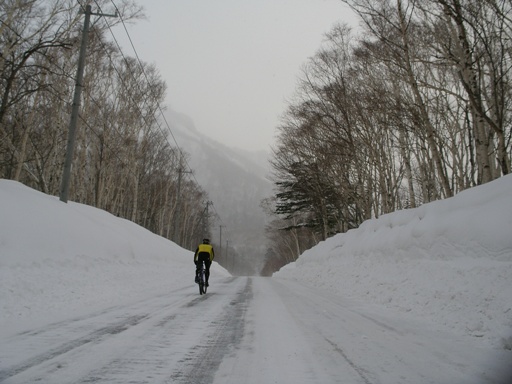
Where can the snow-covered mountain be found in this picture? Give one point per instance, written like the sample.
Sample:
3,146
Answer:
236,182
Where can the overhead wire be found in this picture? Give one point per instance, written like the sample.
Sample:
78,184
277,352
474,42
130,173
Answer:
92,98
143,71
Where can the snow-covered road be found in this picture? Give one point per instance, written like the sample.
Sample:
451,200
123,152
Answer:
245,330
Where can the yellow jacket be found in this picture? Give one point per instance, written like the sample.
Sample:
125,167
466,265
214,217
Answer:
204,248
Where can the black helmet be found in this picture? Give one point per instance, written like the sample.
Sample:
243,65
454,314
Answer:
206,241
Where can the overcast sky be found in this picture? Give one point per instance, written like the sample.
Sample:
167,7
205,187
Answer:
231,65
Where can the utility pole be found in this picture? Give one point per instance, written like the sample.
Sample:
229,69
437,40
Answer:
220,240
178,206
66,176
227,256
206,219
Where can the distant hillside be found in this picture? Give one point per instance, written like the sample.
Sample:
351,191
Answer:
236,183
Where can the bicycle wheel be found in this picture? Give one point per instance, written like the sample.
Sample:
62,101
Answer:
201,280
204,284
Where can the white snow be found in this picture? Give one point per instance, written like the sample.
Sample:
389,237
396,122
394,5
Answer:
58,260
449,261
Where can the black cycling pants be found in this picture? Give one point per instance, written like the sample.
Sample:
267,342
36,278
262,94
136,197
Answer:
204,257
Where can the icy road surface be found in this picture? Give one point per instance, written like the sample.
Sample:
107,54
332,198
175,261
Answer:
245,330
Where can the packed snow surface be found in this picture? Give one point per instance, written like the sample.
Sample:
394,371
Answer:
448,261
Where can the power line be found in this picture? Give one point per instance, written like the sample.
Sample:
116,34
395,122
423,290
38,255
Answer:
146,77
158,104
66,173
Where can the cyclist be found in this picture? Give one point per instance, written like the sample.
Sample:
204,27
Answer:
204,253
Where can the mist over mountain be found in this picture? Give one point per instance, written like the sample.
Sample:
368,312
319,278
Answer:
236,182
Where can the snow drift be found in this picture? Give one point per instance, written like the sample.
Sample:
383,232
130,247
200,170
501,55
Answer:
448,261
59,260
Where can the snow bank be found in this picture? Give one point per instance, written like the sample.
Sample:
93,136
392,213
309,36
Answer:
59,260
449,261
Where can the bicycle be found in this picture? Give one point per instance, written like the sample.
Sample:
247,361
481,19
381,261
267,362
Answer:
201,279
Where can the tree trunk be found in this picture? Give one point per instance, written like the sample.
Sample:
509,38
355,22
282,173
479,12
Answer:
430,130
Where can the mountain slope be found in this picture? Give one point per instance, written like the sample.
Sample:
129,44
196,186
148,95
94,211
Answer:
235,181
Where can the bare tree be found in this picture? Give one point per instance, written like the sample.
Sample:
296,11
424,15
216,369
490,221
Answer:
480,53
416,109
123,161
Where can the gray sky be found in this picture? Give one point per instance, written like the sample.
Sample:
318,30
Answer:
231,64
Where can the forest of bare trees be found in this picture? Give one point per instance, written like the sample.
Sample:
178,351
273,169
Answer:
123,160
414,107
